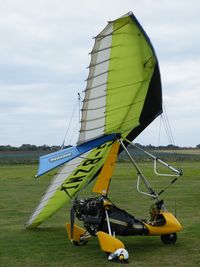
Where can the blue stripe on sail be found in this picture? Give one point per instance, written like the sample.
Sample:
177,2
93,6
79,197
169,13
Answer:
55,159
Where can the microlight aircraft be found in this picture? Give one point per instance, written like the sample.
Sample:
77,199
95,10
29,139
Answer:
123,96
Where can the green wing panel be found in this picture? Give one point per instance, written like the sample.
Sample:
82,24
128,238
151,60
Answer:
73,176
130,71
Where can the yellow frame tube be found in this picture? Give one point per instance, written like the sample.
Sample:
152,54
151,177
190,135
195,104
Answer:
103,181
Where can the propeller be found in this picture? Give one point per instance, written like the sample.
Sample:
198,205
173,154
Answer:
72,213
72,220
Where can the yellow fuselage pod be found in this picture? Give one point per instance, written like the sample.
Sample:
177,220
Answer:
103,181
172,225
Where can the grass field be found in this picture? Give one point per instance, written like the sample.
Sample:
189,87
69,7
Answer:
49,246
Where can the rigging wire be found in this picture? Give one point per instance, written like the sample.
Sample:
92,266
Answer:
79,107
167,126
169,134
159,132
75,130
77,104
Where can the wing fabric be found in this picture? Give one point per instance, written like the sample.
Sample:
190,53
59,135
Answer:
73,175
123,78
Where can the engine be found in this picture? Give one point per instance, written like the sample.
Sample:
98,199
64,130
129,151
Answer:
91,212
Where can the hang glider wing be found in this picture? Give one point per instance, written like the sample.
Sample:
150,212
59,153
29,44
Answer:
123,95
123,92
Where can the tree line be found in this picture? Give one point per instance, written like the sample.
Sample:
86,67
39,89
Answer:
29,147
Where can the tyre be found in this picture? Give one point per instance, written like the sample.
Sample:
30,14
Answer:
81,242
169,239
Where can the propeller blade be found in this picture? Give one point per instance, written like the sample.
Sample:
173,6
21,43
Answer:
72,219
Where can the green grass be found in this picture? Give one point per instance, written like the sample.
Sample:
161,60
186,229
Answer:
49,246
180,151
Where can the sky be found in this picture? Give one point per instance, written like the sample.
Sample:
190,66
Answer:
44,54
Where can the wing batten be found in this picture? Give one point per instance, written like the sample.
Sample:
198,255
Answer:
94,87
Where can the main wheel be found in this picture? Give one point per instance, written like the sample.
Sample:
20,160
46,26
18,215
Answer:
80,243
169,239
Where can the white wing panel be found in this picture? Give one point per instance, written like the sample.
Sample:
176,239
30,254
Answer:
94,104
57,182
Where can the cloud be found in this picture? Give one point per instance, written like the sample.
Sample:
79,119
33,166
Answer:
44,54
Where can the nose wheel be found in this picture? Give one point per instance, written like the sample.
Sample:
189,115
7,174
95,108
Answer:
79,243
169,239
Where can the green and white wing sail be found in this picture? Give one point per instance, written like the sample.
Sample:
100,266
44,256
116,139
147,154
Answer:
123,92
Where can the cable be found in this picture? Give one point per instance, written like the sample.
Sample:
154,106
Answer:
77,104
159,133
169,134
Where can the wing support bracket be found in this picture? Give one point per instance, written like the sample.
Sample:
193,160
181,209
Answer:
141,176
156,160
178,172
